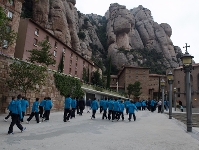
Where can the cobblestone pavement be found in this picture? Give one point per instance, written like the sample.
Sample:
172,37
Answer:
151,131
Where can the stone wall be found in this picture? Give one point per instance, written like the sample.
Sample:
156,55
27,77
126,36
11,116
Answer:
48,90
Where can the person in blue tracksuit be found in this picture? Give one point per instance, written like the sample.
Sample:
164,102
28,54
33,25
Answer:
132,109
152,105
94,107
88,105
116,108
73,106
143,105
35,111
110,108
16,115
104,108
10,109
24,105
121,111
67,108
47,107
125,104
41,107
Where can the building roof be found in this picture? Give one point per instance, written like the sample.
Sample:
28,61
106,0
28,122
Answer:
133,67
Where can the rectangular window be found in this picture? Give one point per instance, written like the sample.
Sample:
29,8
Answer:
64,50
178,91
35,41
55,44
75,73
69,70
11,2
178,82
37,32
71,55
70,62
10,14
55,53
5,44
76,58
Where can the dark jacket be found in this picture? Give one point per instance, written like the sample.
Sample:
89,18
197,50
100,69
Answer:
88,102
81,103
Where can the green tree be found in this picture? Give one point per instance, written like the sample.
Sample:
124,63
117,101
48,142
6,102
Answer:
130,90
43,55
96,79
7,35
61,64
24,76
84,76
136,89
68,85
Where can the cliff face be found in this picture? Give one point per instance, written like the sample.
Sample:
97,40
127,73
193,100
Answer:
121,34
135,29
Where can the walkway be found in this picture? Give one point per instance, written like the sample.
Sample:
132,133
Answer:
151,131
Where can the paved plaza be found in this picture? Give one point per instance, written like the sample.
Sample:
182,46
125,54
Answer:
151,131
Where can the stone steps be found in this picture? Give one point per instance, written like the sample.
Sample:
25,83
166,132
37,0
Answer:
183,118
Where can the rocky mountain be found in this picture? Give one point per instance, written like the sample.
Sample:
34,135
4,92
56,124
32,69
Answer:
130,37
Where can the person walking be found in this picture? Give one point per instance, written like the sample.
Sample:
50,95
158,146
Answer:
41,107
110,108
104,108
116,108
24,105
121,111
73,105
132,109
67,108
47,107
10,109
94,106
88,105
81,105
35,111
16,115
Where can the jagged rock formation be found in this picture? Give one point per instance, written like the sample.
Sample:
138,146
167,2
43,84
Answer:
122,34
135,29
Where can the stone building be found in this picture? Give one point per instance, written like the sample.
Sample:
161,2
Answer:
30,33
179,83
13,11
129,75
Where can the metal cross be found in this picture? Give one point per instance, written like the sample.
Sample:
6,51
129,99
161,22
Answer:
186,47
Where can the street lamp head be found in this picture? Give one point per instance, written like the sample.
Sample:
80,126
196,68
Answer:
162,83
186,59
170,76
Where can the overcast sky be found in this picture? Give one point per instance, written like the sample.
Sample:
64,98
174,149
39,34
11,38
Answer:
181,15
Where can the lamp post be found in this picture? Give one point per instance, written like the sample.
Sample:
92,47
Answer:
174,90
166,100
170,81
187,67
162,83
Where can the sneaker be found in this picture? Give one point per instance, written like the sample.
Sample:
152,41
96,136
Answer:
38,122
24,128
27,122
10,133
5,120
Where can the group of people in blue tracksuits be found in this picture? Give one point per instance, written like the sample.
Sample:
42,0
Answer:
114,108
18,106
